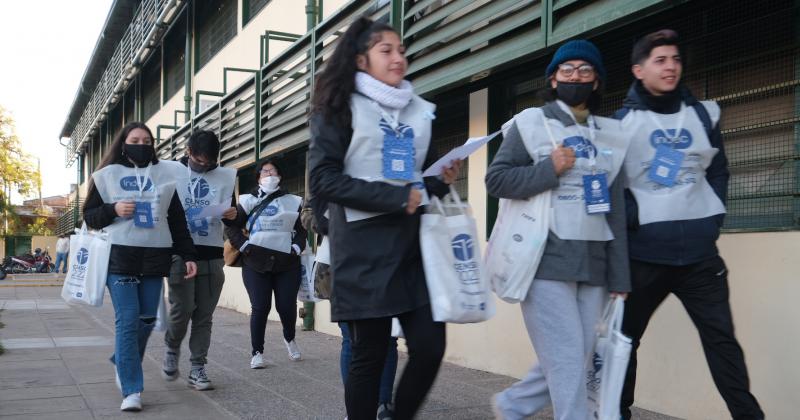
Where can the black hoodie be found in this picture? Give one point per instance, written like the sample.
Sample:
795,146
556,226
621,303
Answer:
676,242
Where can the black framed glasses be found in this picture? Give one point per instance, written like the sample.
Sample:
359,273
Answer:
567,70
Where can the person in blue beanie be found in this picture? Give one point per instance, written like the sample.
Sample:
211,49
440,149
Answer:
677,185
562,149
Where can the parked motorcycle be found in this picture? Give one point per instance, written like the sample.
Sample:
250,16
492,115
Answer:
39,262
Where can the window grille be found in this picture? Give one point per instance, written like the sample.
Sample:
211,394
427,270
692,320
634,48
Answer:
151,88
215,25
175,59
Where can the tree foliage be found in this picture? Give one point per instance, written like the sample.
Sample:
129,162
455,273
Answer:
17,169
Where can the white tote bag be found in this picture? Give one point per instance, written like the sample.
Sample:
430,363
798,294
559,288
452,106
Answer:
306,291
606,367
516,245
88,267
451,257
517,242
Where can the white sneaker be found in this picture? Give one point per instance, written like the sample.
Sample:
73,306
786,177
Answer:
257,362
198,379
169,367
294,350
132,402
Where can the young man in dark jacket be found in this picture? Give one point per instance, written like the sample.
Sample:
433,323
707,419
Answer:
677,183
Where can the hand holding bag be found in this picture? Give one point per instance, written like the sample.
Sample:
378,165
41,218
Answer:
606,367
88,267
451,257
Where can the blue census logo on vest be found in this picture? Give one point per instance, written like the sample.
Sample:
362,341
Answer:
201,190
83,256
657,138
462,247
129,183
271,210
582,146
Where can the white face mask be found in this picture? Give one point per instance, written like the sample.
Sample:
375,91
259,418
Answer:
269,184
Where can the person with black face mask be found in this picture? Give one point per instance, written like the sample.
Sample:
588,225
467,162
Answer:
200,184
563,150
132,197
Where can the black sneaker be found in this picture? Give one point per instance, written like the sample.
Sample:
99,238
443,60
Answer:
198,379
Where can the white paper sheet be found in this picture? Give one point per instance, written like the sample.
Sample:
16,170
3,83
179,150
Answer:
461,152
214,210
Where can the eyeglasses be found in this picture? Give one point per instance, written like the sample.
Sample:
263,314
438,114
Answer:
269,172
584,70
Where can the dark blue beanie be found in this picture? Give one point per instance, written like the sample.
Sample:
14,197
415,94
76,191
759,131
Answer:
579,49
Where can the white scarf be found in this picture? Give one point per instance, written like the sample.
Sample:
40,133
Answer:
385,95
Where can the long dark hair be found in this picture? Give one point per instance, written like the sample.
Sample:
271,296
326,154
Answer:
336,83
115,154
548,94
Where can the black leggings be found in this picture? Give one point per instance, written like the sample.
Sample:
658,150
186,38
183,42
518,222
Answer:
426,343
259,287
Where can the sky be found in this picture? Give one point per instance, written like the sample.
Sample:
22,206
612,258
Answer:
44,49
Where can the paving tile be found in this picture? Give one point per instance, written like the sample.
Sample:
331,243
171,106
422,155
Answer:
18,394
91,341
61,415
31,355
28,343
42,405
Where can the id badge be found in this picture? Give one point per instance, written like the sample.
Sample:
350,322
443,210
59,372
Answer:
143,215
665,166
398,156
595,189
198,225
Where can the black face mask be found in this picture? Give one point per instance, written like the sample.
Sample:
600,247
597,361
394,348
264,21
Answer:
200,168
140,154
574,94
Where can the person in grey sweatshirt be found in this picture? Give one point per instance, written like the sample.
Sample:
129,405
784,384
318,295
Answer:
585,256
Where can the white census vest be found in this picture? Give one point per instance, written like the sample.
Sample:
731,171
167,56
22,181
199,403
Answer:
569,219
692,196
364,158
207,189
274,228
120,183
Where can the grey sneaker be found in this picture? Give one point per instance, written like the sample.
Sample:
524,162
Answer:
294,350
198,379
169,367
385,411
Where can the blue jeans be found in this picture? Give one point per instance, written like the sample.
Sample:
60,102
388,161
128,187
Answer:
389,368
135,300
62,257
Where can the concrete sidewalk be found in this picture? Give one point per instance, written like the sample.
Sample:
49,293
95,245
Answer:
56,367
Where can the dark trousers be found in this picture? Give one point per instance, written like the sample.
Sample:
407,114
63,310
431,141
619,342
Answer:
260,287
703,290
426,343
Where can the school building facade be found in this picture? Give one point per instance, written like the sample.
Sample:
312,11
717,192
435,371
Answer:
245,69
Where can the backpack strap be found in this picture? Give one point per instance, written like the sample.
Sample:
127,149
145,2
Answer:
702,113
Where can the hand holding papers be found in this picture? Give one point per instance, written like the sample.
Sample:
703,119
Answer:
460,152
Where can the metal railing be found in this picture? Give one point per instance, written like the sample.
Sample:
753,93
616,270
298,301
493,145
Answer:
138,41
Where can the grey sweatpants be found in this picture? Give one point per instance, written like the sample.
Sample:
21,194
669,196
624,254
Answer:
193,299
560,317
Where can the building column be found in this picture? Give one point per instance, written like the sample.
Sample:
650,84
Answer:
478,161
